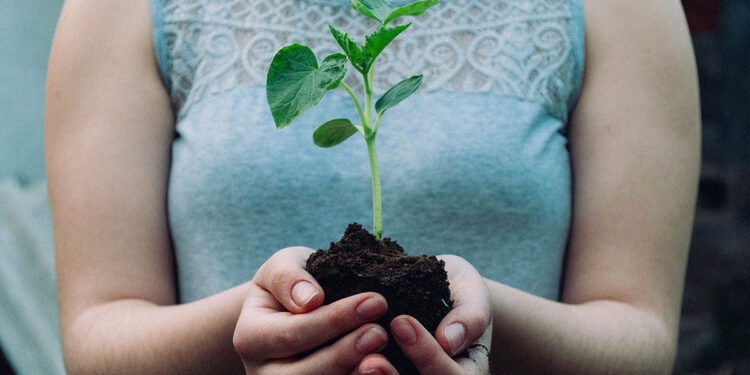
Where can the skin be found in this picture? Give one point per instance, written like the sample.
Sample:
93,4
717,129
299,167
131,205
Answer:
634,142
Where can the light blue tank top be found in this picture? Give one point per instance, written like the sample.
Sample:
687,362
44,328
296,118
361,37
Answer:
475,163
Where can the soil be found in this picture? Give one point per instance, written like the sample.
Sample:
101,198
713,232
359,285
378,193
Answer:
412,285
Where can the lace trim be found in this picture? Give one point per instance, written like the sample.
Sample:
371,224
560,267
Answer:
518,48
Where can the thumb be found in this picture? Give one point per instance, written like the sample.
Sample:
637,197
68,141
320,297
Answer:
470,316
284,276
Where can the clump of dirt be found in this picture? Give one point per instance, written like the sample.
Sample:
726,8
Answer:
412,285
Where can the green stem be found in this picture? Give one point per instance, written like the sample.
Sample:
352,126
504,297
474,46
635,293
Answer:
377,122
354,99
377,202
368,97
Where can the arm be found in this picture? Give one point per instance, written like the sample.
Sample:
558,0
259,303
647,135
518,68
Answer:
108,135
635,145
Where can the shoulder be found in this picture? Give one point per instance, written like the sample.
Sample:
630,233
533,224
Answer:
102,74
639,54
108,14
93,32
637,29
651,15
102,52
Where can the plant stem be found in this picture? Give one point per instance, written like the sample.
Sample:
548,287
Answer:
356,102
377,202
377,122
377,205
368,101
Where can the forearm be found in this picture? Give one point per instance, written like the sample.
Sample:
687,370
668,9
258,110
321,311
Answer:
532,335
138,337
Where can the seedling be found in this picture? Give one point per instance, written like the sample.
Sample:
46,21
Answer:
296,83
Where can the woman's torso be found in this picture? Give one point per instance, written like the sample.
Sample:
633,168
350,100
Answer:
475,163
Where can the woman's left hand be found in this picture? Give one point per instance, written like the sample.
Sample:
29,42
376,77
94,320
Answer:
467,327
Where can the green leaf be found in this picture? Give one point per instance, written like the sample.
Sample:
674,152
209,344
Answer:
295,83
385,12
414,9
377,9
398,93
352,50
333,132
378,40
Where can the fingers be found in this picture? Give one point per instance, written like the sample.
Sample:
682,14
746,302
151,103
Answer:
421,348
265,334
470,315
428,356
478,361
340,358
283,275
375,364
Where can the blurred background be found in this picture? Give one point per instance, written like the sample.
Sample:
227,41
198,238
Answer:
715,326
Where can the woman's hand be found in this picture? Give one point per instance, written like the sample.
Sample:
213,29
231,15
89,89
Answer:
467,327
282,324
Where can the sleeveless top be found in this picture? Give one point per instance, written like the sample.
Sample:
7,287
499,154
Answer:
475,163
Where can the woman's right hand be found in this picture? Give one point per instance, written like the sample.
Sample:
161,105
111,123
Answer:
282,328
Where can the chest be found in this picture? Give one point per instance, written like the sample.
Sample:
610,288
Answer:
524,49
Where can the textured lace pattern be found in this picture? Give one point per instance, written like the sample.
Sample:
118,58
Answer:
518,48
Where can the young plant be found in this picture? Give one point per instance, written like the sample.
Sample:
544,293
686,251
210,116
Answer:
296,83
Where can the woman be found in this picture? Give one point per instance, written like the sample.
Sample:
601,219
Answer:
512,148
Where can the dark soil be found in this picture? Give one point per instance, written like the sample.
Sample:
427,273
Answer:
412,285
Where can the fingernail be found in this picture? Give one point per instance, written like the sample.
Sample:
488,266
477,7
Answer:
456,335
371,308
403,331
373,371
371,340
303,292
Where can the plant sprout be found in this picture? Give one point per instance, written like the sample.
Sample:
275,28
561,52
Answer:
296,83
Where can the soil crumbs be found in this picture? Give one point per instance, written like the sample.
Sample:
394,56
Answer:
412,285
